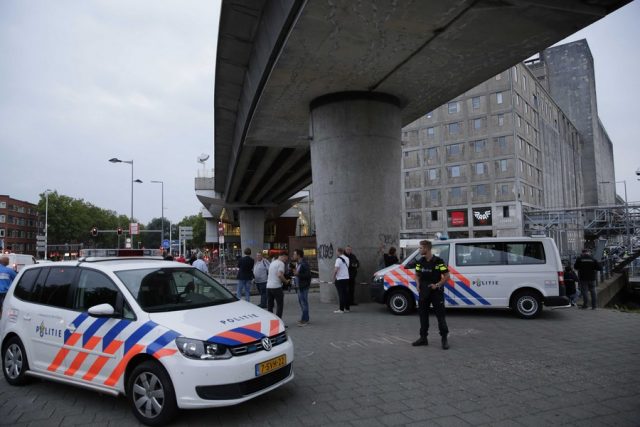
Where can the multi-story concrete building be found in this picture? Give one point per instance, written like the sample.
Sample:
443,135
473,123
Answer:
473,166
19,224
567,73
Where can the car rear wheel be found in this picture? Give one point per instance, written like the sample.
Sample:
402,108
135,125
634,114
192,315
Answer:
151,394
400,302
14,362
527,304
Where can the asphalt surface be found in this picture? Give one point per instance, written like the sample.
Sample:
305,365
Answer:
568,367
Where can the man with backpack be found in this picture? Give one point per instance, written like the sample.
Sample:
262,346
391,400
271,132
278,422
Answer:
303,277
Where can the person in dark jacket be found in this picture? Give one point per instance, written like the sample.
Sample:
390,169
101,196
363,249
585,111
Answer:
391,258
587,268
303,278
354,264
245,275
570,284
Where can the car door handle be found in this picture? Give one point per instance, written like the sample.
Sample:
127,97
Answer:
71,327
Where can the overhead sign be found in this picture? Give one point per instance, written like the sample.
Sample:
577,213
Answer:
134,228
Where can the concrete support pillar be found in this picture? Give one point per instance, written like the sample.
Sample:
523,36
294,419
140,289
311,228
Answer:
355,159
252,229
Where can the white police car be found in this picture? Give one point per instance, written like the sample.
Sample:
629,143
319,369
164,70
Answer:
162,333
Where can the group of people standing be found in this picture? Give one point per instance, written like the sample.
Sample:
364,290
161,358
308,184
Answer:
270,279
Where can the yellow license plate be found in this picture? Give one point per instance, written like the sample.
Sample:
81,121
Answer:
271,365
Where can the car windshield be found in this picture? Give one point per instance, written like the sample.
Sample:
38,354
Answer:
171,289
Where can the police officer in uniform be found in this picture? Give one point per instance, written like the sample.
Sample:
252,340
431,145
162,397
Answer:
432,273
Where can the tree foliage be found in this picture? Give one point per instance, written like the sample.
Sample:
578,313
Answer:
71,220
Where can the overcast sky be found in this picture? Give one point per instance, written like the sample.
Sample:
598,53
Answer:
84,81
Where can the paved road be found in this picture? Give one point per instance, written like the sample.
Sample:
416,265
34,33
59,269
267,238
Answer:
572,367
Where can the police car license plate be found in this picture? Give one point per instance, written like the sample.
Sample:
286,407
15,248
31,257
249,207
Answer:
271,365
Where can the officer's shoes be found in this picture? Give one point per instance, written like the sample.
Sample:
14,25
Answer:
420,341
445,343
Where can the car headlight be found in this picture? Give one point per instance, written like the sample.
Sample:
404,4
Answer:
378,280
202,350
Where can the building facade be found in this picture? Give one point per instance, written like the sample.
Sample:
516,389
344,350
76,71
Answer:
19,225
472,167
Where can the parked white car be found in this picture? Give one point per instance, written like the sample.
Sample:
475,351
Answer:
162,333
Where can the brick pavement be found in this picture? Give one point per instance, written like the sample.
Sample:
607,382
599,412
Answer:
569,367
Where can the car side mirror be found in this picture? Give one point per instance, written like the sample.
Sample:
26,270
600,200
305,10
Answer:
101,310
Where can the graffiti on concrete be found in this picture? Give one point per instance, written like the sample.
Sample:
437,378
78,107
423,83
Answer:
388,239
325,251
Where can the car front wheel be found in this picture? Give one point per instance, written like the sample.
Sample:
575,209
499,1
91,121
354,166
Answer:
151,394
401,302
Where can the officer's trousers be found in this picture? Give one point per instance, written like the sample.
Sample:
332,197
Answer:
427,299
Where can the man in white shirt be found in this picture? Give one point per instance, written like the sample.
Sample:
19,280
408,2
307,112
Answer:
275,280
341,279
200,264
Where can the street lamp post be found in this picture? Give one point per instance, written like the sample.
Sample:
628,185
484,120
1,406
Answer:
130,162
162,216
46,222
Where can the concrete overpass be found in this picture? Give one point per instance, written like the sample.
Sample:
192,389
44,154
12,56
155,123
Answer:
317,91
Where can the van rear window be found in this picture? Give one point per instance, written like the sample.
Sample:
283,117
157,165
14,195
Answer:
500,253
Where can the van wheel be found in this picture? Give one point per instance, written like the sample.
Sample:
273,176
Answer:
400,302
14,362
527,304
151,394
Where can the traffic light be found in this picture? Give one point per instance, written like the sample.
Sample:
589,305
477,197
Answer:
119,231
94,231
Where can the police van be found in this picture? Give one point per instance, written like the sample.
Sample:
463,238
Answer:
162,333
520,273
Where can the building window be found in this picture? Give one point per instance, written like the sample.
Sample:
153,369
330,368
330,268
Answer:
524,83
479,146
499,97
477,123
475,102
480,190
431,132
2,218
515,74
454,171
454,128
518,120
502,165
2,232
505,211
3,205
500,120
414,220
455,192
434,215
499,76
453,107
432,174
521,169
480,168
501,142
432,155
503,189
454,150
434,196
